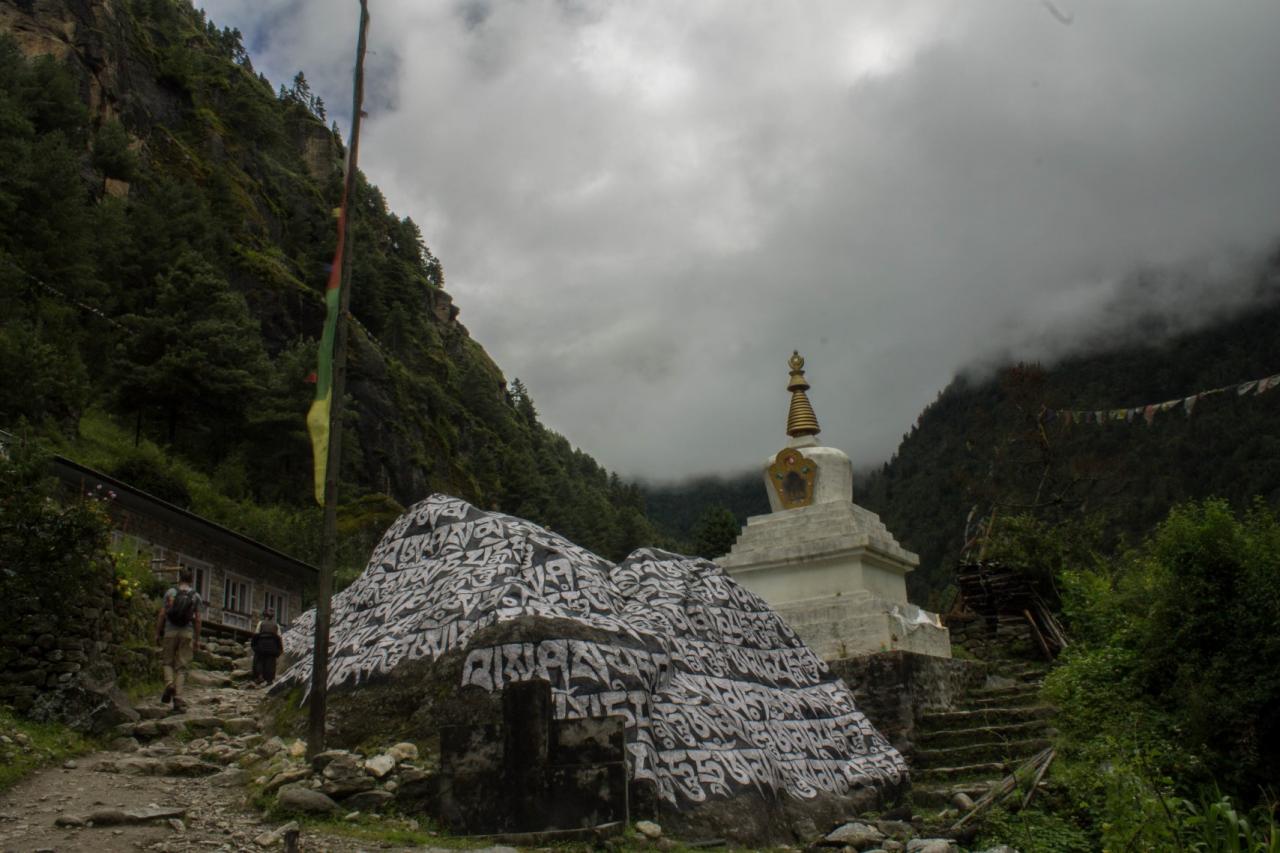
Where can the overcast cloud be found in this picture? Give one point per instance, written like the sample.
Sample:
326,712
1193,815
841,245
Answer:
642,208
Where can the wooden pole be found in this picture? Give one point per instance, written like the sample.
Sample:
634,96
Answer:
329,537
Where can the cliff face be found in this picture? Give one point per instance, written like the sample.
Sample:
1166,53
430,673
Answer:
185,284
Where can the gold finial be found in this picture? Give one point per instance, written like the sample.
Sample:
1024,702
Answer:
800,419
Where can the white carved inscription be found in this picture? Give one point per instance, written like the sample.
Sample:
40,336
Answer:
716,692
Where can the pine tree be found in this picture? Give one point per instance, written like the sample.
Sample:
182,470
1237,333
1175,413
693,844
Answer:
195,357
714,534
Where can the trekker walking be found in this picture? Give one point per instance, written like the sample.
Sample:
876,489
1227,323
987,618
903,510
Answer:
267,647
178,635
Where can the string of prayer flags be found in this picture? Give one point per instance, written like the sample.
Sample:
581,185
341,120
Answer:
1148,412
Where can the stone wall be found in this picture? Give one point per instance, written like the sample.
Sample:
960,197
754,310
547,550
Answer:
895,688
63,665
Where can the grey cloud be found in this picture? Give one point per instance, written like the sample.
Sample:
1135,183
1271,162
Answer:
898,189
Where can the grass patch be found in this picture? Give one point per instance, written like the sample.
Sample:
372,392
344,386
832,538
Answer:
145,691
1033,831
398,832
287,714
26,746
389,830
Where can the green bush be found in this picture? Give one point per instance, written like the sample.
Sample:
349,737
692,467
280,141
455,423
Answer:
1177,657
49,550
1171,682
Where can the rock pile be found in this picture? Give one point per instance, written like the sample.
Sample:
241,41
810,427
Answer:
341,781
890,836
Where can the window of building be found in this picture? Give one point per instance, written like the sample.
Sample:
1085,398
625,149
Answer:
236,595
200,572
277,601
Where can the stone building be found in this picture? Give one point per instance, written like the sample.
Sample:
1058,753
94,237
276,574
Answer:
237,576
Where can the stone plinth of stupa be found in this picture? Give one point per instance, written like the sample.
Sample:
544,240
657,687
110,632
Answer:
829,567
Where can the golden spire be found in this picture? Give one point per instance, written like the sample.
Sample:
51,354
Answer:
800,419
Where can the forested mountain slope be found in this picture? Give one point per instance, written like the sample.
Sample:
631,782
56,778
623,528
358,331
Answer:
166,223
980,444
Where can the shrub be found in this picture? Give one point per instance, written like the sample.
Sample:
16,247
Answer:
49,550
1174,673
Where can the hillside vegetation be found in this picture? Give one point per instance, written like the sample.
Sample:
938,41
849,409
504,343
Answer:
166,224
979,445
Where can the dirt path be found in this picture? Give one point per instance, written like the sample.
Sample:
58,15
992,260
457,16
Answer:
185,762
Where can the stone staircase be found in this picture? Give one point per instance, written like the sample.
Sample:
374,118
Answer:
218,713
987,734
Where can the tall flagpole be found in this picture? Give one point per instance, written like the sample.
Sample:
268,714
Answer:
328,542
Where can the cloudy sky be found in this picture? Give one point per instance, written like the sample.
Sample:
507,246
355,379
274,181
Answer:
643,207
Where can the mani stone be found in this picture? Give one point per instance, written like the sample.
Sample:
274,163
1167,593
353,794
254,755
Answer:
298,798
859,836
380,765
321,760
404,752
275,836
931,845
657,642
368,801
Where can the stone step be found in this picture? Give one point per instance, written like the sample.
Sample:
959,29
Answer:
176,765
208,678
1020,670
213,660
985,771
944,738
939,720
977,702
1019,688
939,795
985,751
188,724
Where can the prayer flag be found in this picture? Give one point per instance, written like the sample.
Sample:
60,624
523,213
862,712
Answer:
318,414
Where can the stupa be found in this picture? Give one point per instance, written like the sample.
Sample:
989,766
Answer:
829,567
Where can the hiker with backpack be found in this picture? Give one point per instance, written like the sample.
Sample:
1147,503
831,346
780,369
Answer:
178,635
267,647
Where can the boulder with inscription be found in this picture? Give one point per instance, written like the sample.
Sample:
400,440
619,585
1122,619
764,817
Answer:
724,723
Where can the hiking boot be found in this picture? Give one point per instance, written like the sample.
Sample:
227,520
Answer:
179,707
167,695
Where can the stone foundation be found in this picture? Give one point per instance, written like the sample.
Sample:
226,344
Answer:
859,623
896,688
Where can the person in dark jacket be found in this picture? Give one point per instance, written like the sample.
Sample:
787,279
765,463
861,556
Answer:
267,647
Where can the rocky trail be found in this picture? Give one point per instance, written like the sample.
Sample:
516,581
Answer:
171,782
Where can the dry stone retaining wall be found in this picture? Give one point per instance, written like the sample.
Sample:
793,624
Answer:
63,665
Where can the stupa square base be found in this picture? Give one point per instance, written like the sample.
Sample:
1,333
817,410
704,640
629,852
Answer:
848,625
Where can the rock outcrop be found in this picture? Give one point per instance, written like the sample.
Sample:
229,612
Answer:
731,723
